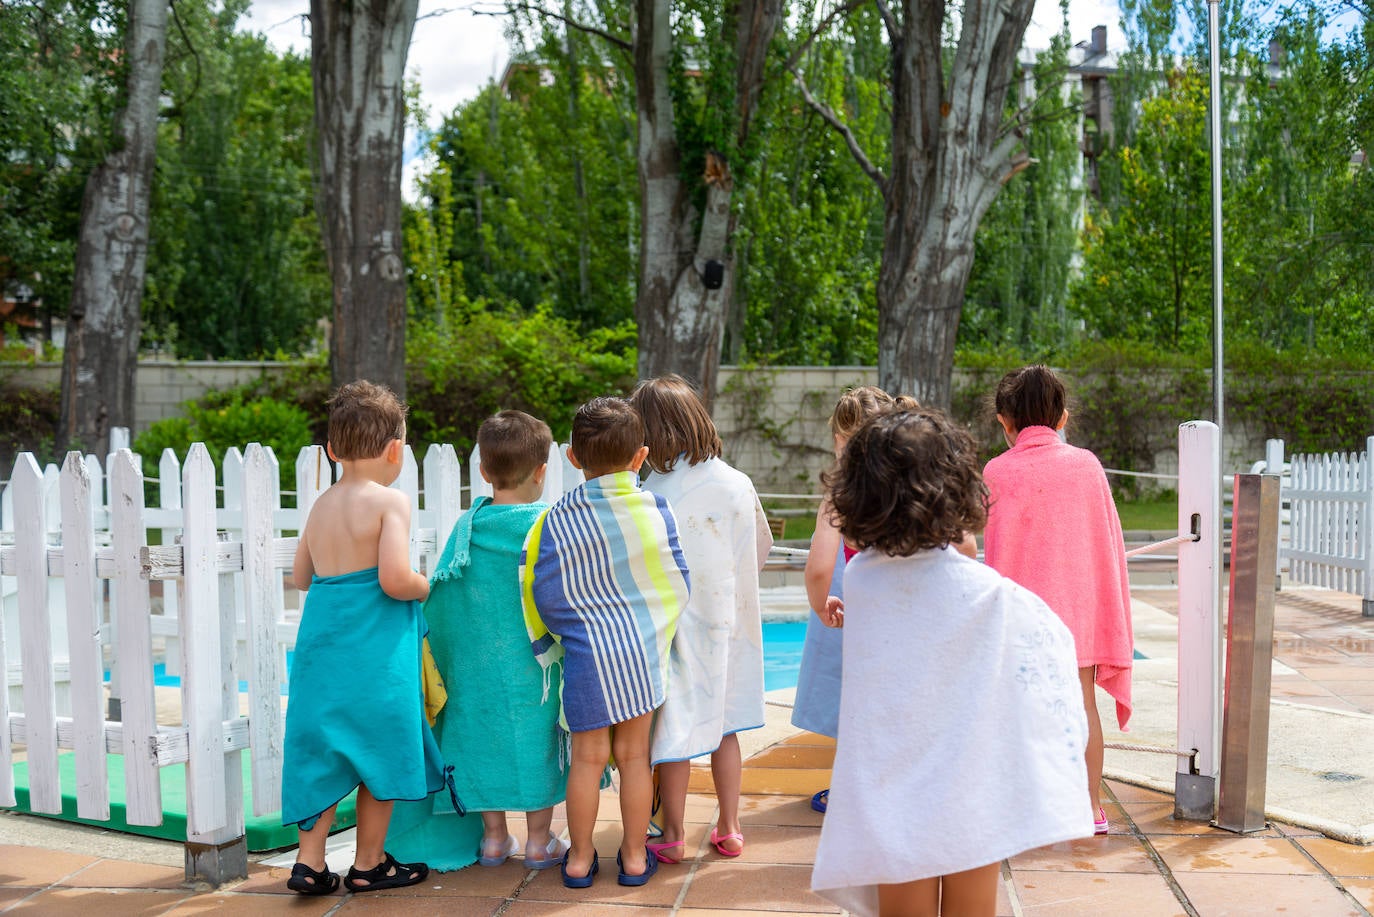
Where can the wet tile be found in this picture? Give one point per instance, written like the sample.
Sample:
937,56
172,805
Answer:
1229,895
124,874
12,893
1158,818
1113,853
374,906
1362,890
779,810
539,908
746,886
1233,855
1288,830
1340,859
783,781
21,865
81,902
816,756
1058,894
809,738
240,905
1127,792
661,891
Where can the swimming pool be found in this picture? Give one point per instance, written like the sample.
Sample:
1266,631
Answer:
782,652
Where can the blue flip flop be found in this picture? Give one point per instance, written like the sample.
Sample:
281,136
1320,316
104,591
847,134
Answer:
578,881
821,800
650,867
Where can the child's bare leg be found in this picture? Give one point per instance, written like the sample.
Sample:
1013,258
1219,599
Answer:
725,775
374,816
1095,741
590,751
971,893
312,842
494,834
630,744
920,898
672,794
538,825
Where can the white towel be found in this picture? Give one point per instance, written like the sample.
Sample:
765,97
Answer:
962,728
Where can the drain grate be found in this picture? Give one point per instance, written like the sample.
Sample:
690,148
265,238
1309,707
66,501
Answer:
1339,777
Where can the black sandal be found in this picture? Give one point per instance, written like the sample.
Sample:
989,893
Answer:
386,874
307,881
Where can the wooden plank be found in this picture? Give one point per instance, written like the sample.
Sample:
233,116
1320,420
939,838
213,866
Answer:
6,747
262,593
313,477
35,636
169,499
83,630
169,746
201,681
476,486
134,643
408,482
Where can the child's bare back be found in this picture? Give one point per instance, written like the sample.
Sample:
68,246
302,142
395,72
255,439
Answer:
357,524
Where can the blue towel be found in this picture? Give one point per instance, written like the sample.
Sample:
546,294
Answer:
355,715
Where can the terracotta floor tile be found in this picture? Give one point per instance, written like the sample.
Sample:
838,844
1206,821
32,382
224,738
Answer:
746,886
701,808
1340,859
1276,856
1226,895
817,756
239,905
1128,792
81,902
1158,818
1112,853
472,881
124,874
778,810
1348,670
374,906
809,738
271,880
1060,894
771,844
1288,830
1362,890
36,866
1354,688
535,908
783,781
661,891
12,893
1117,822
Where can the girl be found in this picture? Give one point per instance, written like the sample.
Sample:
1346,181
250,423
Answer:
715,667
1053,528
963,734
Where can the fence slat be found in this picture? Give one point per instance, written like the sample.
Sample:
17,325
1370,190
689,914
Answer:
408,482
201,684
6,744
314,474
35,635
262,592
169,498
443,494
83,634
134,643
477,487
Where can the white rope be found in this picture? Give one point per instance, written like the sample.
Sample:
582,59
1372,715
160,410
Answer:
1178,539
1142,474
1151,749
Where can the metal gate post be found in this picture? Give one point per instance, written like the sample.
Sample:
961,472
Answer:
1249,653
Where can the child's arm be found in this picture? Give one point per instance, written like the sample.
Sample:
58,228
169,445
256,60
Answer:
820,562
394,572
303,567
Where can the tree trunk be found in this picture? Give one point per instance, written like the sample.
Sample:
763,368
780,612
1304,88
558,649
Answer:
680,321
358,60
951,152
103,323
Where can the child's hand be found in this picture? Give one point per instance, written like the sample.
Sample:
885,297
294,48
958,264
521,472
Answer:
833,615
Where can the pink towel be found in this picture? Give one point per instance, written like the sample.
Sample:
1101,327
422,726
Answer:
1053,528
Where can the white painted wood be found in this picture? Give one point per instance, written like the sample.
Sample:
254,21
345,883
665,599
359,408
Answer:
119,439
443,496
262,595
169,499
35,636
477,487
6,745
134,643
201,682
230,522
1199,597
168,747
83,630
553,475
572,475
313,477
408,482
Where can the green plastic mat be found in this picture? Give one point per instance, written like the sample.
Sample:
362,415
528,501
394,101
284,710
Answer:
265,832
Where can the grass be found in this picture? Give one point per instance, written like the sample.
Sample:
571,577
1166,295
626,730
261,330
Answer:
1159,514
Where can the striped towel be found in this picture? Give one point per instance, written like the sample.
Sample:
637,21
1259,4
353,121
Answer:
602,582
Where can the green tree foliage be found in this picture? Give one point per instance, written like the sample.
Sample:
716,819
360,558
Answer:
237,269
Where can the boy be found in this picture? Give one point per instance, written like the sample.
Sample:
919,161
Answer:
355,718
499,729
603,582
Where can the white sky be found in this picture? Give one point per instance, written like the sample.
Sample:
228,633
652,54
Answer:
454,52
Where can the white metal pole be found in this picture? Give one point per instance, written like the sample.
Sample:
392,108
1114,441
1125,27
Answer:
1214,47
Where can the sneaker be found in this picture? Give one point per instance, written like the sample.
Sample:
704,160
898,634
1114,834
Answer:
1100,824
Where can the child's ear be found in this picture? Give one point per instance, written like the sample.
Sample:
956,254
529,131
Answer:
329,451
638,461
572,458
540,473
1062,420
395,451
1008,428
483,472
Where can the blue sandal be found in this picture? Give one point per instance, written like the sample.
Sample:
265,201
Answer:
821,800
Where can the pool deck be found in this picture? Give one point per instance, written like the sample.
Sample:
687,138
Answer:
1148,865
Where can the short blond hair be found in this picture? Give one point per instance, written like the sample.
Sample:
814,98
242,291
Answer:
363,418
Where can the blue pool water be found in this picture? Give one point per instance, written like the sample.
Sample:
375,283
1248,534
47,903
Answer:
782,652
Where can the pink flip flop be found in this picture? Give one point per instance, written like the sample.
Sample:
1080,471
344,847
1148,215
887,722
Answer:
657,851
718,841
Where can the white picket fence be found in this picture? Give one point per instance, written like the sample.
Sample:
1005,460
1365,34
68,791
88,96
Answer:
76,568
1328,502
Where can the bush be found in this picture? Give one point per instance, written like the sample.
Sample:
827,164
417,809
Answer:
28,421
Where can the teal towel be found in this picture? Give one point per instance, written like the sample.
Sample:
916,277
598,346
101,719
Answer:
355,714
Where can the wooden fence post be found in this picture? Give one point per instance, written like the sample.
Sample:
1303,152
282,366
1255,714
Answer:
169,498
262,593
35,633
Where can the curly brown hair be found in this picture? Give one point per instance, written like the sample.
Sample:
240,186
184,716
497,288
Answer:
908,481
364,418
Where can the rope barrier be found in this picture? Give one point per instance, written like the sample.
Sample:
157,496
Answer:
1178,539
1151,749
1142,474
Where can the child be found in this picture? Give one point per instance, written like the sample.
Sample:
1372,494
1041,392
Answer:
603,582
1053,528
715,669
355,718
499,729
963,735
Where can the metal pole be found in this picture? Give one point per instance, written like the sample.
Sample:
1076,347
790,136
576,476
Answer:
1214,47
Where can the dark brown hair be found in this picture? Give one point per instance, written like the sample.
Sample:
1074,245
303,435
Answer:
908,481
606,434
512,444
676,422
363,418
1031,396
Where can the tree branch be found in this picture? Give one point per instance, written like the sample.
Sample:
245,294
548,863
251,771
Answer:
821,28
850,140
616,40
894,33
